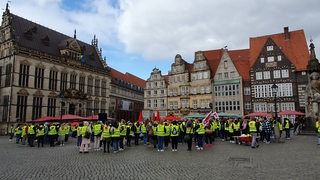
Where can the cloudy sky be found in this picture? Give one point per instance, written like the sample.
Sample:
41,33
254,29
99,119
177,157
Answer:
138,35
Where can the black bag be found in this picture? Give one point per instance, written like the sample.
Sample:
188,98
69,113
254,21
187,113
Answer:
87,135
187,137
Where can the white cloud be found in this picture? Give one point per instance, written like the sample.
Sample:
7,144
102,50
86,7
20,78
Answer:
159,29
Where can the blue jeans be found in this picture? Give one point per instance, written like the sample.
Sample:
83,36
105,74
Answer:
79,141
200,140
287,133
254,142
268,134
160,142
115,144
145,138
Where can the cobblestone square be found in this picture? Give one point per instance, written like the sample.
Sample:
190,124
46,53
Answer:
298,158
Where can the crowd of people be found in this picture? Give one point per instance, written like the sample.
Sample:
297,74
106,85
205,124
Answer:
104,135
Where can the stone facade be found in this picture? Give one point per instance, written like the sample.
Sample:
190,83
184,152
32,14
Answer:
45,73
155,95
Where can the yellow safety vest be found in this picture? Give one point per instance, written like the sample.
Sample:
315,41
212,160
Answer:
40,132
252,126
106,132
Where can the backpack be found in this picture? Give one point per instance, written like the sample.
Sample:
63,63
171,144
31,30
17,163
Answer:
174,130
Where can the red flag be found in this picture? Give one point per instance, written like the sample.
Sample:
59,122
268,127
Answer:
215,115
205,121
140,118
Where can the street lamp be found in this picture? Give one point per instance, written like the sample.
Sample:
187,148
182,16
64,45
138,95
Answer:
61,103
274,89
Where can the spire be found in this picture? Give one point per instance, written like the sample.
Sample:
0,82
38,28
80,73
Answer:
7,8
75,34
313,64
312,52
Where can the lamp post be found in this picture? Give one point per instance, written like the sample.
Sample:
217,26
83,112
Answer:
274,89
61,103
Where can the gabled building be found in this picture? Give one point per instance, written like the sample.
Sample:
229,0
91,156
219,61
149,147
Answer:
46,73
231,77
200,87
155,95
279,59
126,95
179,87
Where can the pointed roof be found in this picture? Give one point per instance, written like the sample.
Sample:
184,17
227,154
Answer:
34,36
293,45
313,64
213,57
240,59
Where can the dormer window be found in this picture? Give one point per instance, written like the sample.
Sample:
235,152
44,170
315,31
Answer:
269,48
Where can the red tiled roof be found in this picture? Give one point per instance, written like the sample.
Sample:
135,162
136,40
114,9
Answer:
128,78
295,48
213,57
240,59
166,78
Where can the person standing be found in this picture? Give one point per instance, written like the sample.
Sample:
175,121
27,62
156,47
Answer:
253,129
166,134
11,133
318,130
144,132
209,133
61,134
161,130
155,134
123,133
266,127
52,134
175,131
40,135
287,127
189,134
79,134
200,135
129,132
86,135
106,138
137,132
18,131
115,136
31,134
97,130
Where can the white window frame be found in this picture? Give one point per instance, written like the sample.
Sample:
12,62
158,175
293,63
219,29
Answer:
258,75
285,73
266,74
276,74
269,48
271,59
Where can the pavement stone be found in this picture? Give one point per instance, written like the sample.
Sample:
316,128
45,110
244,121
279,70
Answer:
298,158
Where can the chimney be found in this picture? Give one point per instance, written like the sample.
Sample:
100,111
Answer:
286,33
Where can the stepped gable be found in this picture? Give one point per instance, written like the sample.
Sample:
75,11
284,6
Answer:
293,45
37,37
240,59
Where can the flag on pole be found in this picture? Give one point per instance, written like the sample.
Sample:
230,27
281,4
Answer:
205,121
215,115
140,120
